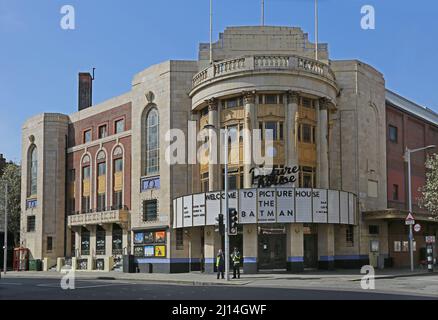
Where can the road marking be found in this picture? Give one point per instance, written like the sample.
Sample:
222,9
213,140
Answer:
78,287
10,284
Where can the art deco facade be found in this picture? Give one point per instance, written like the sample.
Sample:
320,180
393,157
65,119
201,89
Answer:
97,186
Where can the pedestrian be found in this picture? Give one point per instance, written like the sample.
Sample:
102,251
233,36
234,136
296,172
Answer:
220,264
235,258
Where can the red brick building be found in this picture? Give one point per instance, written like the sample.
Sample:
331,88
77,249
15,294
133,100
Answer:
408,125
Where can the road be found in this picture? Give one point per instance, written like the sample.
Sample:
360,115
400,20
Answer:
50,289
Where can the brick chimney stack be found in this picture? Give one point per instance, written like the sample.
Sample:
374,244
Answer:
85,90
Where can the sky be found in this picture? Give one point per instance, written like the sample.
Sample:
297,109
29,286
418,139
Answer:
39,61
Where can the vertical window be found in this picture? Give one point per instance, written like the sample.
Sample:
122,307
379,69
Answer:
307,177
100,241
307,133
150,210
272,126
204,182
373,229
87,136
31,224
103,132
119,126
117,245
179,239
86,190
33,171
118,184
349,235
49,243
101,186
270,99
395,192
85,242
281,131
393,134
152,142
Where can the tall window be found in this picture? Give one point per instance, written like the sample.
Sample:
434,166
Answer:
103,131
393,134
395,192
33,171
118,184
85,242
152,143
100,241
117,245
86,189
31,223
87,136
119,126
101,186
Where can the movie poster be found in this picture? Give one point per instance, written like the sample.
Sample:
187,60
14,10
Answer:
148,237
148,251
160,237
138,238
160,251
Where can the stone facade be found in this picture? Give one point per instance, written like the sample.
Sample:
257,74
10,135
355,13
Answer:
329,117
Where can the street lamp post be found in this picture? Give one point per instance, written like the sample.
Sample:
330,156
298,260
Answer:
226,235
407,157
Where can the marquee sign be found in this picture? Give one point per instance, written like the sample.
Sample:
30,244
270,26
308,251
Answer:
268,205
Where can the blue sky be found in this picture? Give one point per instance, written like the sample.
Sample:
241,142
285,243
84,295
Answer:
39,61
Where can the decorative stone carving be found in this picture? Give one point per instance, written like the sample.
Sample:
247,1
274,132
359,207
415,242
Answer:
324,103
293,97
212,104
249,97
86,159
101,155
150,97
32,138
118,151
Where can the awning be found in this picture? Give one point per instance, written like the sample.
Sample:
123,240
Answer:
395,214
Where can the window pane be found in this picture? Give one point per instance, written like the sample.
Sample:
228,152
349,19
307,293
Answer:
120,126
272,126
152,142
87,136
118,165
271,99
307,133
102,132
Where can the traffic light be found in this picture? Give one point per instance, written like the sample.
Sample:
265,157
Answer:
233,221
220,227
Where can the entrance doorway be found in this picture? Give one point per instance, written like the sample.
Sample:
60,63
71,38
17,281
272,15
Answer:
272,248
310,251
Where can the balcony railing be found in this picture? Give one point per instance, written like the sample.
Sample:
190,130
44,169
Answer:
109,215
263,62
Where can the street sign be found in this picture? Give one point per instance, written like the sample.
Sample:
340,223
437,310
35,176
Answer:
430,239
410,219
417,228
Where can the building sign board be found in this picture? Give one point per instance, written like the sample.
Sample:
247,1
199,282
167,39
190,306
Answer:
268,205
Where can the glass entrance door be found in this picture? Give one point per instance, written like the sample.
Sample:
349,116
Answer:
272,248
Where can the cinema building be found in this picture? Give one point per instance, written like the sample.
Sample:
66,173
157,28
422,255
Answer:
97,187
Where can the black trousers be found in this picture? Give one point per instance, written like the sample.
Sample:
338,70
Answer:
236,270
220,274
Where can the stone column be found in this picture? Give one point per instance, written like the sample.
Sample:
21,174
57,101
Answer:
295,247
77,242
322,144
250,248
213,119
249,126
92,240
290,137
108,239
326,246
212,243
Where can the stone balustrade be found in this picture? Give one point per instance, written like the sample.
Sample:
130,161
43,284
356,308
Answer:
263,62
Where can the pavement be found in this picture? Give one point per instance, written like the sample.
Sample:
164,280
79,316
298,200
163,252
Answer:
389,281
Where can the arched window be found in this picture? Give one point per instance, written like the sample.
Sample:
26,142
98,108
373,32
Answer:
152,142
101,181
33,171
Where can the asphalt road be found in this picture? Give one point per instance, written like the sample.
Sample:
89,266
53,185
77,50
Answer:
50,289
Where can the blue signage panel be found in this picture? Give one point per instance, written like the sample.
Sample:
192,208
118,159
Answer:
150,183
